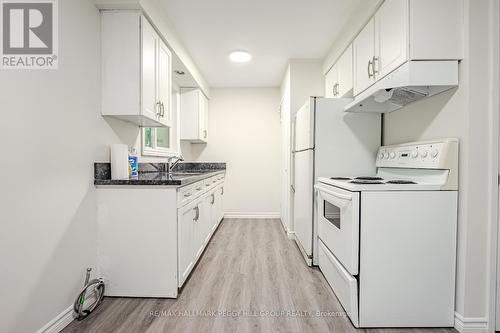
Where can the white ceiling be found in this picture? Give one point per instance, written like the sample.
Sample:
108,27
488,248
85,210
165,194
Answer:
273,31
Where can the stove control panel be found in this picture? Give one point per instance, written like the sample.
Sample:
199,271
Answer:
426,155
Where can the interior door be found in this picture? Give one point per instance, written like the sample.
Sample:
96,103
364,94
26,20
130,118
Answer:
303,198
391,36
363,52
149,70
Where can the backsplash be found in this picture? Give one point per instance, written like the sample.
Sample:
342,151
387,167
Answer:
102,170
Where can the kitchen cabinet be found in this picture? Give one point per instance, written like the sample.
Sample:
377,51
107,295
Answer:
150,237
187,218
363,53
194,116
136,70
406,30
331,81
391,37
198,219
338,80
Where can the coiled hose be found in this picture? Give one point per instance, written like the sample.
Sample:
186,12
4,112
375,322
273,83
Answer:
95,286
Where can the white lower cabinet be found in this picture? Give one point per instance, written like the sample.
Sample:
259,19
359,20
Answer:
150,237
186,221
197,221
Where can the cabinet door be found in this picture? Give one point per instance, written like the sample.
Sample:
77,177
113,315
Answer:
164,79
344,68
149,70
219,208
203,117
391,36
186,220
363,52
331,80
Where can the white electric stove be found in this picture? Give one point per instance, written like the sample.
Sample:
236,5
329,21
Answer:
386,242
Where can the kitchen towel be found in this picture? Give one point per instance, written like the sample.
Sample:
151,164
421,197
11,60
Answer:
119,161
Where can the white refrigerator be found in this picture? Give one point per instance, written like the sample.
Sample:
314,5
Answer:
328,142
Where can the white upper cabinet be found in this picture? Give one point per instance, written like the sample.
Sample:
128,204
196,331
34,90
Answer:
391,37
406,30
194,116
344,69
331,81
136,70
338,80
363,53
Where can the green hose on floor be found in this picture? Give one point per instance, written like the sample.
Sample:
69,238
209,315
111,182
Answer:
95,289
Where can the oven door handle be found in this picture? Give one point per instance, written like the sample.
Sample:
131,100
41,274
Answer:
333,193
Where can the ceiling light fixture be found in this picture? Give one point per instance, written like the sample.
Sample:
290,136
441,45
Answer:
240,56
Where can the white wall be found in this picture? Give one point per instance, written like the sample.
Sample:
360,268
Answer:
52,133
244,132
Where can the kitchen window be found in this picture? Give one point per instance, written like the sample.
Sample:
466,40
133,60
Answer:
164,141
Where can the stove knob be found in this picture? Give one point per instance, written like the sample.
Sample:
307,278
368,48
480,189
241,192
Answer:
393,155
414,154
434,153
386,155
423,153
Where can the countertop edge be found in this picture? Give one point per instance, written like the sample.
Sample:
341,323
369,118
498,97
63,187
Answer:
107,183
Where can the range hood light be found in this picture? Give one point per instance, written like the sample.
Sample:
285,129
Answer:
383,95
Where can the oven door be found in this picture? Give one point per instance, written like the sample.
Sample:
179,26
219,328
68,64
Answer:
338,224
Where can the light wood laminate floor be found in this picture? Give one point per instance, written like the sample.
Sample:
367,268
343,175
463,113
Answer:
251,278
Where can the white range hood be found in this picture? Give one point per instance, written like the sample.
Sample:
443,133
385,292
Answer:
410,82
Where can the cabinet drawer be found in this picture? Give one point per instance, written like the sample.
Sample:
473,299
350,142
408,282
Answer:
188,193
343,284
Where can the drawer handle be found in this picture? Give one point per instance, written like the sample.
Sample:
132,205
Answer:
187,195
198,189
213,199
207,185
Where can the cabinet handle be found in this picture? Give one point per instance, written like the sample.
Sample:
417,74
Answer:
197,216
370,64
204,134
162,109
187,195
207,185
213,199
373,65
158,112
222,191
198,189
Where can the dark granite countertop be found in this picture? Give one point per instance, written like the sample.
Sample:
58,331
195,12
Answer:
155,174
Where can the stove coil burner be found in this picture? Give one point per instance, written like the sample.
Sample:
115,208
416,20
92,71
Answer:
366,182
340,178
397,181
368,178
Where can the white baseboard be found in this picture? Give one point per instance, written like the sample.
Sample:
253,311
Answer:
252,215
470,324
62,320
57,324
291,234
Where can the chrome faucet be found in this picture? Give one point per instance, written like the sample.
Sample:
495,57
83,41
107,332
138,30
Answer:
171,165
